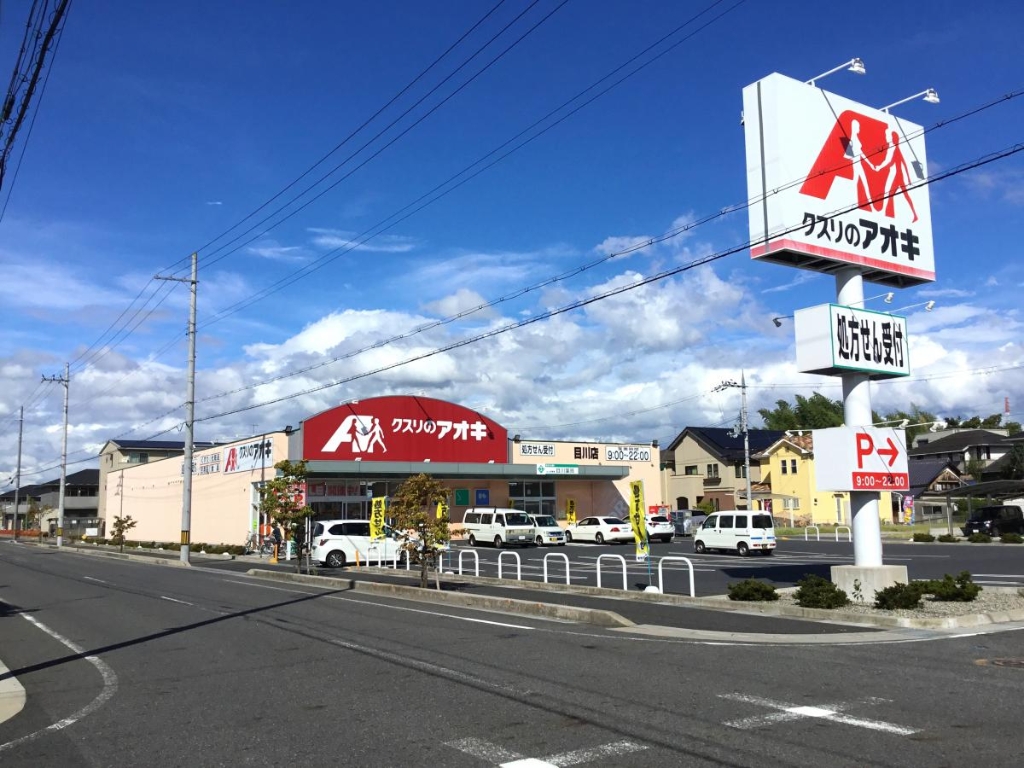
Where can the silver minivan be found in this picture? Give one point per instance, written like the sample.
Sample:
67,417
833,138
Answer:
736,530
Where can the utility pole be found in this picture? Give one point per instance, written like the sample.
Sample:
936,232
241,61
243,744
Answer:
742,386
190,410
65,380
17,472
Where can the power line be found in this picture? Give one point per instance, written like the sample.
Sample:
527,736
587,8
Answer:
580,303
568,273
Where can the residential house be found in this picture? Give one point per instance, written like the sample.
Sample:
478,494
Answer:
788,466
81,496
997,469
708,464
930,481
959,448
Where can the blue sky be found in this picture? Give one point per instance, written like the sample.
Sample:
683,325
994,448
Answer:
164,124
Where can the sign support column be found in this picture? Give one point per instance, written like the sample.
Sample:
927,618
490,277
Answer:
867,531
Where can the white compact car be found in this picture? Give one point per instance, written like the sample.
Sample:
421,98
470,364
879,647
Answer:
548,530
736,530
661,528
599,530
336,543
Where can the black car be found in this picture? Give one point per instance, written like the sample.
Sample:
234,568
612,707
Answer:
995,521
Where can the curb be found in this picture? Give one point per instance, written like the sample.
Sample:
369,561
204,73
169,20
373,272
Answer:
593,616
120,556
12,694
722,603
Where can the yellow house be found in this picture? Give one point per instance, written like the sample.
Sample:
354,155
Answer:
787,465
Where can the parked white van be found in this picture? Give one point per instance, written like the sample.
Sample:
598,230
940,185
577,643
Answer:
736,530
498,526
336,543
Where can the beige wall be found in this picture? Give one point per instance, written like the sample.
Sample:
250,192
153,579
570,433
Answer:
222,503
678,484
594,497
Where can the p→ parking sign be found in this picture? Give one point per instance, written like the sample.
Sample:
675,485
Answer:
861,459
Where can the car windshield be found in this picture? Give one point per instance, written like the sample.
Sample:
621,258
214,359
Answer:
762,521
613,521
545,521
986,513
659,519
517,518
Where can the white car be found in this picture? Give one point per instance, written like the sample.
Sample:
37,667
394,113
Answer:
337,543
548,531
660,527
599,530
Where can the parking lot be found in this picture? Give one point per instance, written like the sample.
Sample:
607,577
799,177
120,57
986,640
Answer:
994,564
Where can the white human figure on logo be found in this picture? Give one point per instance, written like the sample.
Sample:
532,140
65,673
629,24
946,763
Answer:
376,437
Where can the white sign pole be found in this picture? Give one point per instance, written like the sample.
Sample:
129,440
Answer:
867,530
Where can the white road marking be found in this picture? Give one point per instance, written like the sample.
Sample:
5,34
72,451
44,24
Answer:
1001,575
109,688
174,600
787,712
90,578
504,758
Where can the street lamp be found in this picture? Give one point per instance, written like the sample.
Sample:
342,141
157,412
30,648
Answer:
929,94
928,307
853,65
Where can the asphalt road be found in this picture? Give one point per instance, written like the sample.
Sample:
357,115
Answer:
204,667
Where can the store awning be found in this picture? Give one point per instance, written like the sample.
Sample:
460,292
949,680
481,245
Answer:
442,470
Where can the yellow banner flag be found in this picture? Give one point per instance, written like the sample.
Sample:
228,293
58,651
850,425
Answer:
638,518
442,509
377,517
570,511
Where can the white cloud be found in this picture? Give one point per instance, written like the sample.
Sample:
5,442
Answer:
332,238
461,301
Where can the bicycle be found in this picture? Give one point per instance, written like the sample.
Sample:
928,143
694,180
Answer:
253,545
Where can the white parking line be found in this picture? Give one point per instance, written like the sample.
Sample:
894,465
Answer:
174,600
90,578
497,755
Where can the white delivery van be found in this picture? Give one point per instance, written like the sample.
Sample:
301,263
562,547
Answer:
736,530
498,526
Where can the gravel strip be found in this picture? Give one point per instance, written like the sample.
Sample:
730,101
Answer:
988,600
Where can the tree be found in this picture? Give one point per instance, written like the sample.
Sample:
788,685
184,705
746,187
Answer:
918,421
283,500
35,513
1012,427
422,533
814,412
1014,469
121,526
974,468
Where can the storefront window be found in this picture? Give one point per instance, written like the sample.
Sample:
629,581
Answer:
535,498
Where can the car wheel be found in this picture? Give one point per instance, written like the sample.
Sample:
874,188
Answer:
666,539
540,540
336,559
767,552
742,549
699,548
599,538
497,542
472,540
568,537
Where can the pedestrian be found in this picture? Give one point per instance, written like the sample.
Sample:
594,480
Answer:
276,536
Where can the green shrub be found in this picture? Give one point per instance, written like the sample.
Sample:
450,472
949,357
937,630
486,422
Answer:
752,590
979,538
236,549
816,592
959,590
1012,538
924,537
947,538
900,596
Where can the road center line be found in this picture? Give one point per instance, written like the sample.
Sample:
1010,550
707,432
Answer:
174,600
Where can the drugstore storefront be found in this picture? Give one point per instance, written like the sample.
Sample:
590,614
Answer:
369,447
